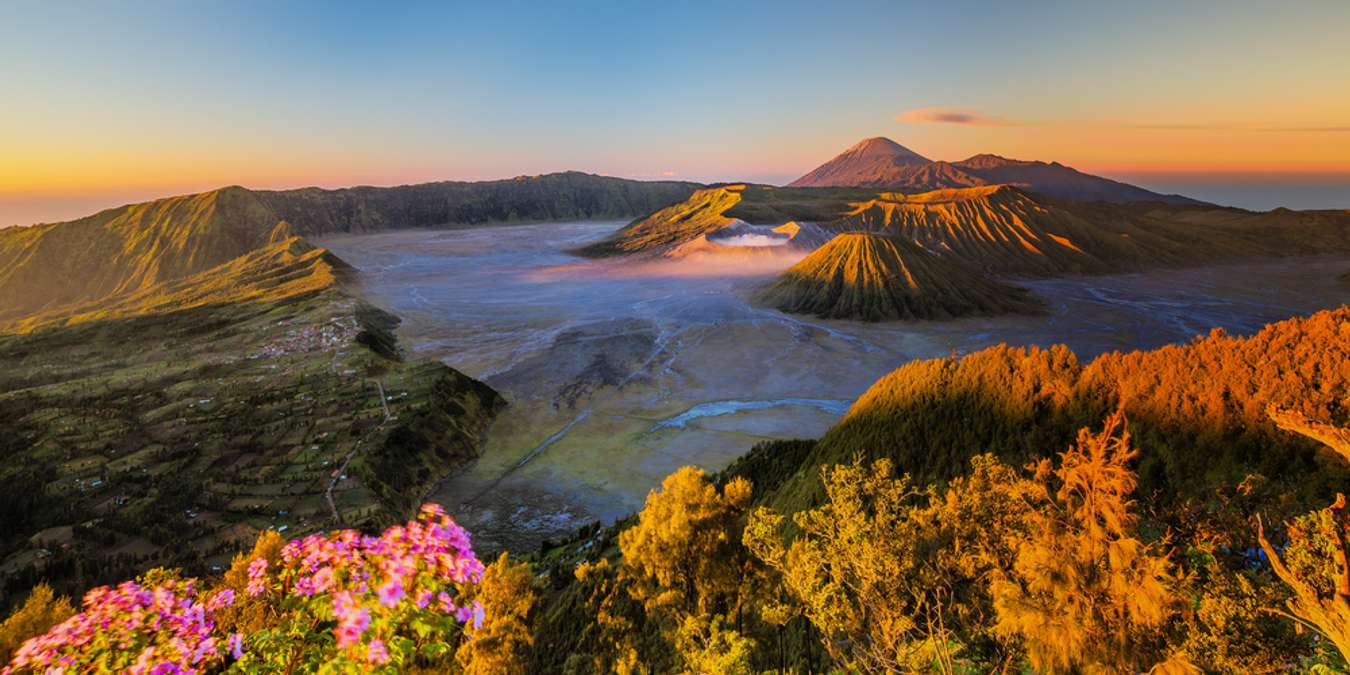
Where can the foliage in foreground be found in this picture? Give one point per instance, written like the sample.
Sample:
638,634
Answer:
994,570
1052,568
39,612
340,603
1316,563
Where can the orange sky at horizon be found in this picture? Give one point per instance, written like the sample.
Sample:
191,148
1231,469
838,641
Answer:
35,171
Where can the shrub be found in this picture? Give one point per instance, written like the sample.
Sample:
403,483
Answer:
39,613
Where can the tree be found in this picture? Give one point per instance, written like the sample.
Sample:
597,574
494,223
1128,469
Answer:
685,560
1316,564
684,550
892,577
1085,593
39,613
500,645
609,639
250,614
709,646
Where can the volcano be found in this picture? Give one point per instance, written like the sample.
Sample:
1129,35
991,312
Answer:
871,162
874,277
883,163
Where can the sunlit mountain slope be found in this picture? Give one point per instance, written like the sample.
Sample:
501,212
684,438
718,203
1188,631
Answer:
1005,230
875,277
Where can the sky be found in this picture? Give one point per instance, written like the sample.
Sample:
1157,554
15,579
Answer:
105,103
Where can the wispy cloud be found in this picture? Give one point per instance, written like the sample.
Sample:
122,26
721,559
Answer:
975,118
966,117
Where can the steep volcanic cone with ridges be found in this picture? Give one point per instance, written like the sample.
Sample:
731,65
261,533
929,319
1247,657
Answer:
871,162
875,278
1002,230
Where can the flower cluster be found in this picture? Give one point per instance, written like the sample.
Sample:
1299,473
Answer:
257,576
140,628
391,596
343,600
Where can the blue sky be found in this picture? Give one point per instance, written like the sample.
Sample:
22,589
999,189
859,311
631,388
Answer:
120,100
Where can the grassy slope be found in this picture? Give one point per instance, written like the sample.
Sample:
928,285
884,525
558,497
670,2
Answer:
127,250
1197,411
282,269
1003,230
704,212
874,277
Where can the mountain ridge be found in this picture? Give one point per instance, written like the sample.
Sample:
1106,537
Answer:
1002,230
915,173
115,258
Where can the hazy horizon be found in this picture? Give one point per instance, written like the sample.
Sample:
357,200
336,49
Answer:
1254,191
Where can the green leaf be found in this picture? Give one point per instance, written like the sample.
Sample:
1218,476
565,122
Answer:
435,650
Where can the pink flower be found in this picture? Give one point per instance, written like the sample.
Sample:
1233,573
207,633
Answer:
144,660
165,628
236,646
391,592
221,600
377,653
257,576
447,607
323,580
352,619
305,586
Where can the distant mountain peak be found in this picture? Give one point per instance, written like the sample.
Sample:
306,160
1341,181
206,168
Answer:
870,161
987,160
880,145
879,162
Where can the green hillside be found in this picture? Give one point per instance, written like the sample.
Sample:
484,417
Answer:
175,437
1198,411
127,250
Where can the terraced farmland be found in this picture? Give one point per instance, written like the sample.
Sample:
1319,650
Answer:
231,420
